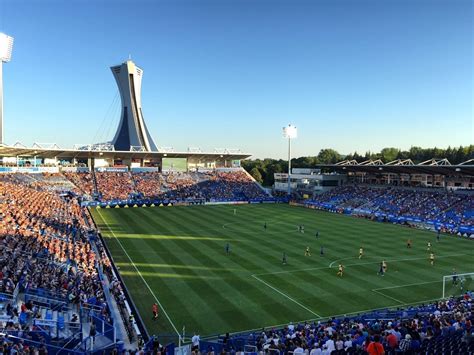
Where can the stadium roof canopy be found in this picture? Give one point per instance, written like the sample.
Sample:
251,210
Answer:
105,152
430,167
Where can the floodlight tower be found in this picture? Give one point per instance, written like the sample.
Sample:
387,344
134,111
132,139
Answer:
6,45
289,132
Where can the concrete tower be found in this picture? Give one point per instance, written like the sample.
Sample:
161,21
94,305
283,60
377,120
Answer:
131,132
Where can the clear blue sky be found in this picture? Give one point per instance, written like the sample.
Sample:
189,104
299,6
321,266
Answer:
351,75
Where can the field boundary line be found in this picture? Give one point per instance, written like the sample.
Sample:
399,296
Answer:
385,295
141,276
328,317
354,264
285,295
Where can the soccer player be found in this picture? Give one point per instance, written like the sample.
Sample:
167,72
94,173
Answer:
437,235
302,229
227,248
384,266
265,226
381,272
432,259
429,246
340,270
154,309
283,260
361,252
409,243
461,283
317,234
307,252
455,277
321,253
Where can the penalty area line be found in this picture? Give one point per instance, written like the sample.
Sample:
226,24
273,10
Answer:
385,295
141,276
286,296
406,285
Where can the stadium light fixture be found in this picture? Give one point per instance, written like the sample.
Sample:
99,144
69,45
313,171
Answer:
6,46
289,132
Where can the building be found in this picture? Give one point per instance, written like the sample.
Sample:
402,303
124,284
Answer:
308,182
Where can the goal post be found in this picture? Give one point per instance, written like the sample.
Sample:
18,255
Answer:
457,284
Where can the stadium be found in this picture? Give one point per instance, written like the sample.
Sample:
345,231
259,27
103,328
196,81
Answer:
126,247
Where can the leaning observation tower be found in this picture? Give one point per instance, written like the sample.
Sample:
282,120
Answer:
132,133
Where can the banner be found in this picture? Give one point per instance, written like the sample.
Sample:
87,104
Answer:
115,169
144,170
29,170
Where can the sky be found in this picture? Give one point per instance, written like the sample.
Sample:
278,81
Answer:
352,75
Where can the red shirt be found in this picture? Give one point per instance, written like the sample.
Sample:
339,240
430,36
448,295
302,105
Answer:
375,349
392,340
155,308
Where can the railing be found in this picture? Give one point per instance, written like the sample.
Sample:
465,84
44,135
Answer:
70,344
46,299
7,297
52,349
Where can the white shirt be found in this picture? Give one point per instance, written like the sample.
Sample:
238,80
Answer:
348,344
195,339
316,351
298,350
330,345
330,330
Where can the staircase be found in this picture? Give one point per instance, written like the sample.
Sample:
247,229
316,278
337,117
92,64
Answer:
94,179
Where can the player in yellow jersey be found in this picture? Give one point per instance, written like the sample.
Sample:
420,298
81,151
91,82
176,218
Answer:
340,270
307,252
361,252
432,259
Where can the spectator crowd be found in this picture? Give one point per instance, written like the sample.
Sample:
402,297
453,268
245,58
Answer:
209,185
442,206
444,327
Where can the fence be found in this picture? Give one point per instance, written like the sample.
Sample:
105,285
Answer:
39,344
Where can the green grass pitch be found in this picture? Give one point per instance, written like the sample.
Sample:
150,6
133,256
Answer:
177,254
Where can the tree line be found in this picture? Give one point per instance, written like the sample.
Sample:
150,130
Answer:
263,169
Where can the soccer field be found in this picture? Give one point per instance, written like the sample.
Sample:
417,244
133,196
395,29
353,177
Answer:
177,255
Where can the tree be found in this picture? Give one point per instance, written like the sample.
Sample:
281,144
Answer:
389,154
267,167
256,174
329,156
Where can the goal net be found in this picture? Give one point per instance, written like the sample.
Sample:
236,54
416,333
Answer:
457,284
